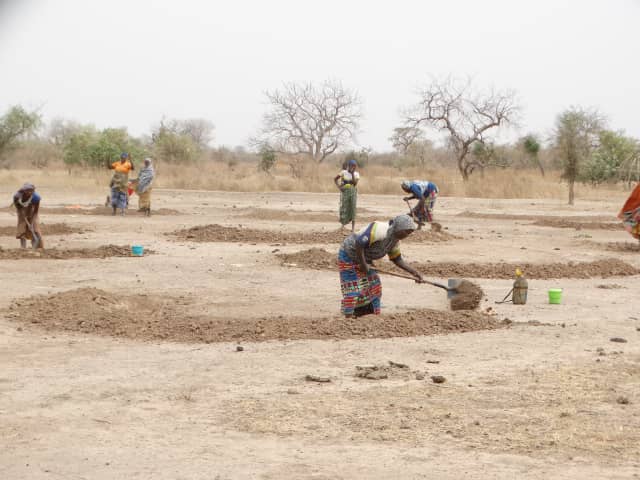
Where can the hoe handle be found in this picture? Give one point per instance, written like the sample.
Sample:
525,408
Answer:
401,275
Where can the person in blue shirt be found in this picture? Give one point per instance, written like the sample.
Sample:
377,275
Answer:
426,193
27,203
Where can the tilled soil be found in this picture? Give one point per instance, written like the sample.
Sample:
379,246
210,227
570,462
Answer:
220,233
622,247
304,216
47,229
542,218
320,259
83,210
146,317
103,251
609,267
577,225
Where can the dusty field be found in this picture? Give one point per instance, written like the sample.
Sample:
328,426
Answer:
47,229
121,367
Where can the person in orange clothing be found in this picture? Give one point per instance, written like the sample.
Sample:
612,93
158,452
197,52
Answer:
120,182
630,213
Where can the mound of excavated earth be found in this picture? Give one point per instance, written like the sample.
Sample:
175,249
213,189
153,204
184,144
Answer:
47,229
318,258
146,317
220,233
103,251
80,210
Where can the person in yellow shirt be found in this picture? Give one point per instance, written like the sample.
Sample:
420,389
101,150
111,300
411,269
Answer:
120,182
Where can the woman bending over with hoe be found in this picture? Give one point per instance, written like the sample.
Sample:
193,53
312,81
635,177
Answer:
426,193
359,283
27,203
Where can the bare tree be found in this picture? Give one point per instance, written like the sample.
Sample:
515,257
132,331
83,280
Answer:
309,119
465,114
404,137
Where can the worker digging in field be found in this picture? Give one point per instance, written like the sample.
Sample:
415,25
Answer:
120,182
142,186
359,283
347,181
426,193
630,213
27,203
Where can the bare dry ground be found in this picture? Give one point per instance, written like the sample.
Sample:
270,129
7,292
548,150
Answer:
215,358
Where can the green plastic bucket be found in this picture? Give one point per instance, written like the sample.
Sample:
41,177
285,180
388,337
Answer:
555,295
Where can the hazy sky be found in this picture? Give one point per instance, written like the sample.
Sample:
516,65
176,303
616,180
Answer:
128,63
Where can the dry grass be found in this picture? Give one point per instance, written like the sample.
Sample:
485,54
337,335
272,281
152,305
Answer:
376,179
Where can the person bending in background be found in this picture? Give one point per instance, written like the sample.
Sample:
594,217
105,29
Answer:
359,283
27,203
426,193
120,182
630,213
347,181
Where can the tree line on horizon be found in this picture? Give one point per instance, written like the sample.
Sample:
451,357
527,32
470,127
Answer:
313,122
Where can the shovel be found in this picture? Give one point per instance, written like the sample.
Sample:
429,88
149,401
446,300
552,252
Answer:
452,289
35,243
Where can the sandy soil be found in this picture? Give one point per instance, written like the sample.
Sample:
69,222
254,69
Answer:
107,372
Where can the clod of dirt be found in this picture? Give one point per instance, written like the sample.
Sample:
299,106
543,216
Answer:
436,227
622,400
438,379
47,229
397,365
316,378
372,373
381,372
468,296
618,340
220,233
419,376
162,317
239,348
610,286
103,251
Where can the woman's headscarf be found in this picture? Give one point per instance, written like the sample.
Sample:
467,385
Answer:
27,186
406,184
398,224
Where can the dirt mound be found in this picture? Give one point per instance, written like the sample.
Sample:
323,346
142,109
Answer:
468,296
315,258
220,233
78,210
319,259
577,225
605,268
47,229
303,215
145,317
534,218
621,247
103,251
